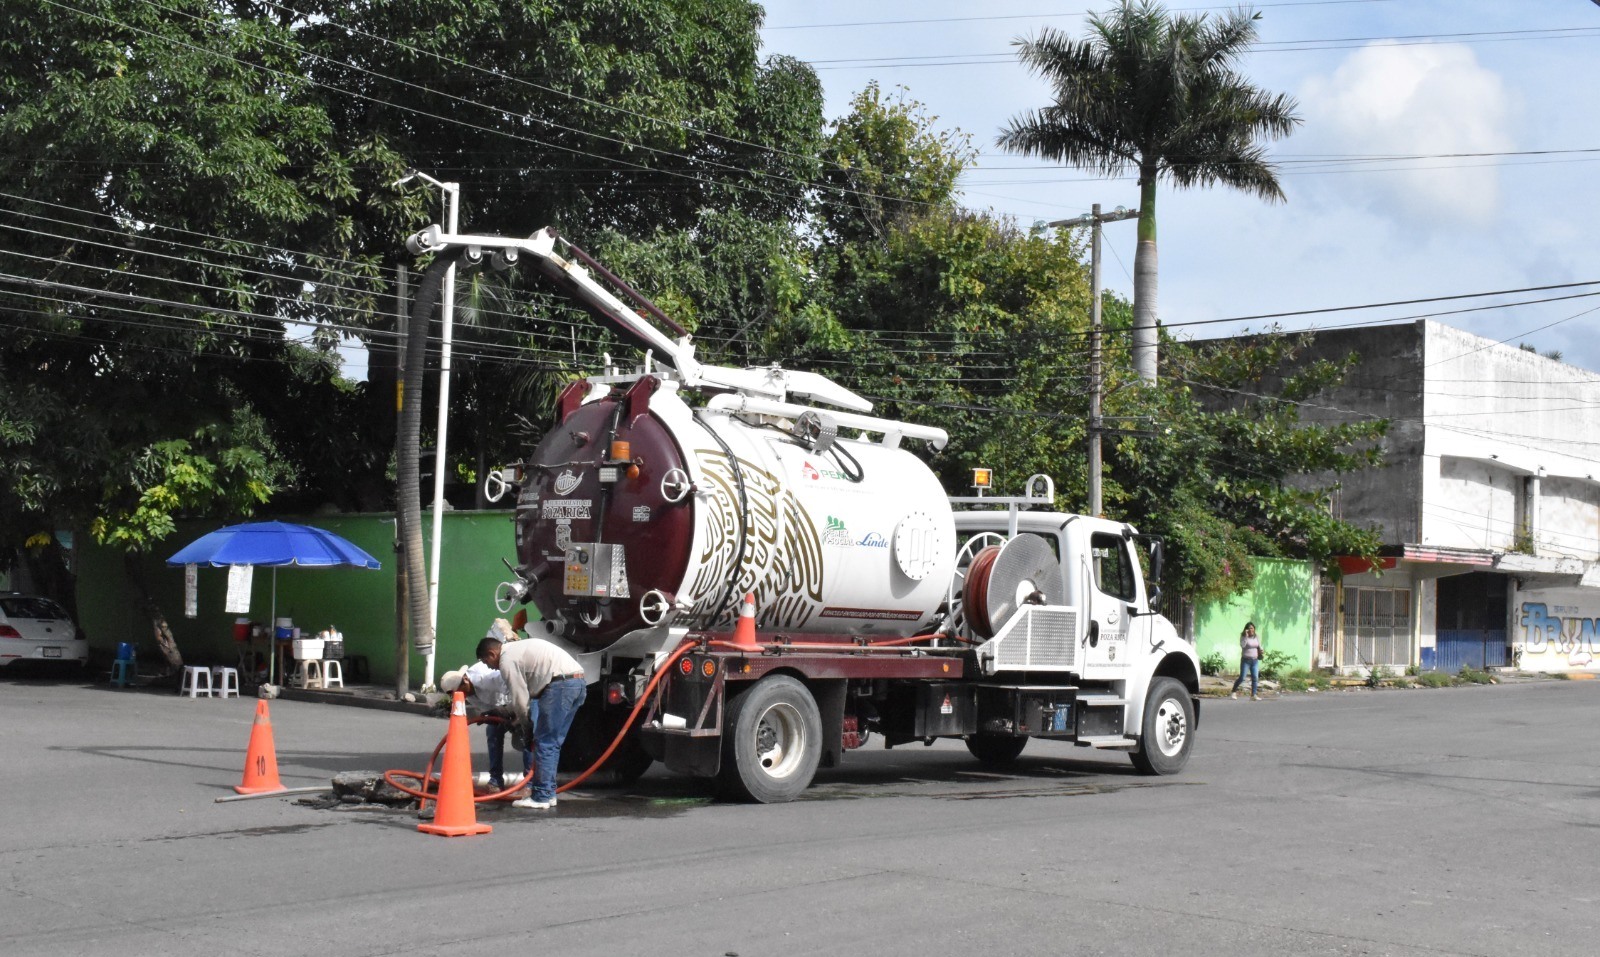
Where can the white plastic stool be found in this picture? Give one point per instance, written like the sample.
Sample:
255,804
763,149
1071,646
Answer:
227,680
308,674
332,672
191,680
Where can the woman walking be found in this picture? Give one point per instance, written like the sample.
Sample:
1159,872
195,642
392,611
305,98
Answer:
1249,662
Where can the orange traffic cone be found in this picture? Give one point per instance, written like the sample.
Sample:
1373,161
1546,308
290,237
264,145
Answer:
744,630
454,813
261,758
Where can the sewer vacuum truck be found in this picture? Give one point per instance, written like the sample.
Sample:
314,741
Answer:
773,577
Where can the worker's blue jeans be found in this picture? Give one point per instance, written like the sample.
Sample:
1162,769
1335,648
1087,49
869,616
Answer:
557,706
1251,667
495,734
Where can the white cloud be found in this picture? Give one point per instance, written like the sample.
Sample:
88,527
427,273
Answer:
1390,100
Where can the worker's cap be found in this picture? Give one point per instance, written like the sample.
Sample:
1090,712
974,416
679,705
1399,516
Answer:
452,680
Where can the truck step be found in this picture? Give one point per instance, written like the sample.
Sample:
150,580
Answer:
1101,700
1114,742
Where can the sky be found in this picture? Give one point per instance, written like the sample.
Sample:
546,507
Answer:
1382,204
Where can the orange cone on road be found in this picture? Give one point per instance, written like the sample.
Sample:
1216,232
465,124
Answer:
261,758
454,813
744,630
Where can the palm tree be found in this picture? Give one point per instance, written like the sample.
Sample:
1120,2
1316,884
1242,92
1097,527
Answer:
1157,94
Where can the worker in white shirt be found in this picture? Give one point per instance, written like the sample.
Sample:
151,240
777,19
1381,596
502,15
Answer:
546,686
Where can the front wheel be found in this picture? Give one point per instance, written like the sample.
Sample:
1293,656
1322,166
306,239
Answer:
771,742
1168,730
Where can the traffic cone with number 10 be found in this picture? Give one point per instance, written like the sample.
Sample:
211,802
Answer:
260,758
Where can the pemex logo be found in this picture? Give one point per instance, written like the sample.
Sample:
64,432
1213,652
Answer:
836,533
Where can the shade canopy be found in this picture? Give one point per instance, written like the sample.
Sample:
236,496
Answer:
272,544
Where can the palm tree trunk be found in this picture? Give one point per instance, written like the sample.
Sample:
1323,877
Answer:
408,461
1144,283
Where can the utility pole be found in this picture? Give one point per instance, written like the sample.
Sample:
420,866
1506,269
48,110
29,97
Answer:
1094,220
452,195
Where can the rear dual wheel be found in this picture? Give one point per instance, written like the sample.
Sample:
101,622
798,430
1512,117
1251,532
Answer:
771,742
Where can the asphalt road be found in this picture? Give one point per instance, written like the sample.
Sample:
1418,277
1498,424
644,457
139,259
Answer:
1458,821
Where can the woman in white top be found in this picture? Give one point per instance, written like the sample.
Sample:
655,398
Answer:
1249,662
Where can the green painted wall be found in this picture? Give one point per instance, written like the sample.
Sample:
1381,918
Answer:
359,602
1281,603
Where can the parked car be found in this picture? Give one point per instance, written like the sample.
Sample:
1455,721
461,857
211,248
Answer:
33,628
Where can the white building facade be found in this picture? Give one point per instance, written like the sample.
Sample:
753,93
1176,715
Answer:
1489,507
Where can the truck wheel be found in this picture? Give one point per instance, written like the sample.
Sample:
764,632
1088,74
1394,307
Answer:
995,750
771,742
1168,729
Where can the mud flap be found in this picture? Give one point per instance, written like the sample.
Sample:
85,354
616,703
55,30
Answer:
684,727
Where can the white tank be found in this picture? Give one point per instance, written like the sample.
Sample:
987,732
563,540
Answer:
853,538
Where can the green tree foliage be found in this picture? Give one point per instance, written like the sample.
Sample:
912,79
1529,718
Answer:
1156,94
1229,469
162,171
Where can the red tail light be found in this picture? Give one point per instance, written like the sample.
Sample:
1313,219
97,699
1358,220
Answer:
6,631
614,694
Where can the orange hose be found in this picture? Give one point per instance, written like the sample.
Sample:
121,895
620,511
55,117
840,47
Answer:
426,776
661,670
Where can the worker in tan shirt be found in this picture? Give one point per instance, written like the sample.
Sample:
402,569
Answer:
547,686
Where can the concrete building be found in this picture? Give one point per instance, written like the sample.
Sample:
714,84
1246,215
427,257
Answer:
1489,507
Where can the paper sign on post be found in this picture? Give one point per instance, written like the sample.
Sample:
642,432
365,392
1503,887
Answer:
239,577
191,588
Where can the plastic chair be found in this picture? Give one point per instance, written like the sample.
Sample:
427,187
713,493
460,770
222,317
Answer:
191,680
308,673
124,671
227,680
332,671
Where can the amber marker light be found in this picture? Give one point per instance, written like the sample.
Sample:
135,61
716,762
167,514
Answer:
708,667
982,478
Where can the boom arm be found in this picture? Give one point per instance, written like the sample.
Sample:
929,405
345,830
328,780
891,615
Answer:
576,281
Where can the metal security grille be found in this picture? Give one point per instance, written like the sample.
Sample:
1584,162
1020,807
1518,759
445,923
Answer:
1040,639
1377,627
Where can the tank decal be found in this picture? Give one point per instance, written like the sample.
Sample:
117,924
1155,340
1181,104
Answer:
783,560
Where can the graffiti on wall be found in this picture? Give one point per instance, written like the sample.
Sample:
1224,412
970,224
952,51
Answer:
1560,631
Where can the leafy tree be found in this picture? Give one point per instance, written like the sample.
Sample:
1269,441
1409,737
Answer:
1228,469
165,215
1157,94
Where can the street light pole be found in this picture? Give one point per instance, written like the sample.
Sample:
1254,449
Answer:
452,192
1094,220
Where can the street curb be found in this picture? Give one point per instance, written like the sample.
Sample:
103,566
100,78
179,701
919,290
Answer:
353,700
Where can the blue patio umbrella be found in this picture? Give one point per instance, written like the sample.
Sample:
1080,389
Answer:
273,544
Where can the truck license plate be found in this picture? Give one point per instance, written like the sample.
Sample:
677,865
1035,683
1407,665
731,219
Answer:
52,652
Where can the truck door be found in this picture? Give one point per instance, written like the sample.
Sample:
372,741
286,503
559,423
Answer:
1113,598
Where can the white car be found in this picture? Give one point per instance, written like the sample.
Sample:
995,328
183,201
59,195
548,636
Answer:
37,629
